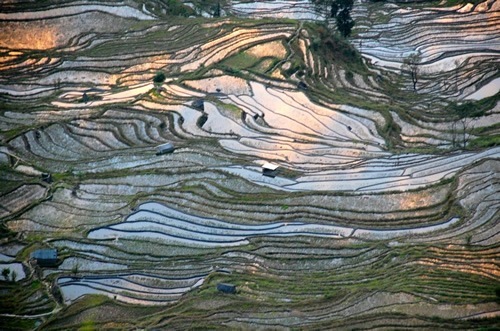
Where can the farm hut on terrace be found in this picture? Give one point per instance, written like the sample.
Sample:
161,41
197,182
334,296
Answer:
164,148
269,169
226,288
45,257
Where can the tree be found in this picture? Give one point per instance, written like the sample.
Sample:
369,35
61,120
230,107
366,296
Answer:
464,114
457,66
454,134
465,126
85,97
216,9
411,65
344,23
177,8
159,77
5,273
212,7
340,10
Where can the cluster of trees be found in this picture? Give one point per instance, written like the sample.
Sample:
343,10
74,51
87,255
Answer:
6,272
159,77
158,80
340,10
178,8
212,7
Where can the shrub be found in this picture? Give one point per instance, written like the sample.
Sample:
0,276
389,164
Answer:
177,8
159,77
349,76
5,273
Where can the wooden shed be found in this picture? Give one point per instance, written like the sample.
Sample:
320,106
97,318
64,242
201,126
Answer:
226,288
45,257
269,169
164,148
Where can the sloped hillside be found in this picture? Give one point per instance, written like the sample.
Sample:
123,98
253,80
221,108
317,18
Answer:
379,207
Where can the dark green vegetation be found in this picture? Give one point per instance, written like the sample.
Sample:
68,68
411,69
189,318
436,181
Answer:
159,77
340,10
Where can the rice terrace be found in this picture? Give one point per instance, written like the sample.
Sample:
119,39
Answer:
250,165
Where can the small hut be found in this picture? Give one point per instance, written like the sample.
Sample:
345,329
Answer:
164,148
269,169
45,257
199,104
226,288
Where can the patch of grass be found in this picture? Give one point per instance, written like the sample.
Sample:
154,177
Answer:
484,130
36,285
88,301
391,131
35,237
484,142
154,93
473,108
88,325
288,173
232,111
240,61
265,64
231,107
13,323
13,133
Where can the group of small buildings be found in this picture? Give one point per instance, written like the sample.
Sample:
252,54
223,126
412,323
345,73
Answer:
47,257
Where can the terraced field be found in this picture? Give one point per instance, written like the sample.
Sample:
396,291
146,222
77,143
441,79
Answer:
384,210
